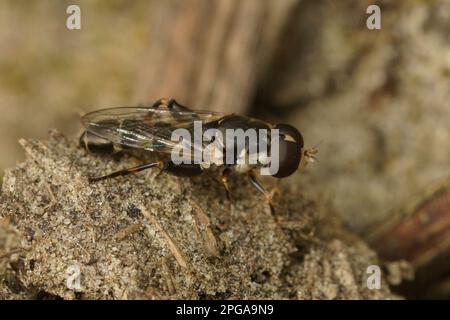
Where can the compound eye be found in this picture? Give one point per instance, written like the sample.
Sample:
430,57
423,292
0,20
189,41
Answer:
290,133
290,150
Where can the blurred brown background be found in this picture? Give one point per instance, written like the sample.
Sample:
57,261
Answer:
377,101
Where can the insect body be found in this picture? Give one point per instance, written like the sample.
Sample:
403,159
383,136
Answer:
152,129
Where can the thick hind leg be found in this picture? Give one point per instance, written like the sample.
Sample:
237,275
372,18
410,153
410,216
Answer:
159,164
180,170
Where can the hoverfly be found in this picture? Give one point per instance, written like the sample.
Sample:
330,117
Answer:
151,128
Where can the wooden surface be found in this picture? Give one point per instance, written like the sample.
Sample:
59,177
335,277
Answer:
211,53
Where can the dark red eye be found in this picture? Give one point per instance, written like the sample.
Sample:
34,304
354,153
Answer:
290,150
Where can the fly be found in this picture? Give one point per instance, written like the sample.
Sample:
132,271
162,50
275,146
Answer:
151,129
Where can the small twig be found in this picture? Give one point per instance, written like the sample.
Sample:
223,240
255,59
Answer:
202,225
10,252
170,243
125,232
292,224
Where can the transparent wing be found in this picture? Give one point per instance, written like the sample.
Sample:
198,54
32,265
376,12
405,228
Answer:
144,128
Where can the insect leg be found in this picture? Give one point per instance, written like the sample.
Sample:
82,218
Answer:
255,182
177,110
158,164
225,177
160,102
171,104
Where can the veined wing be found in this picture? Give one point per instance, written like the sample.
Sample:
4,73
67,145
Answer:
143,128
